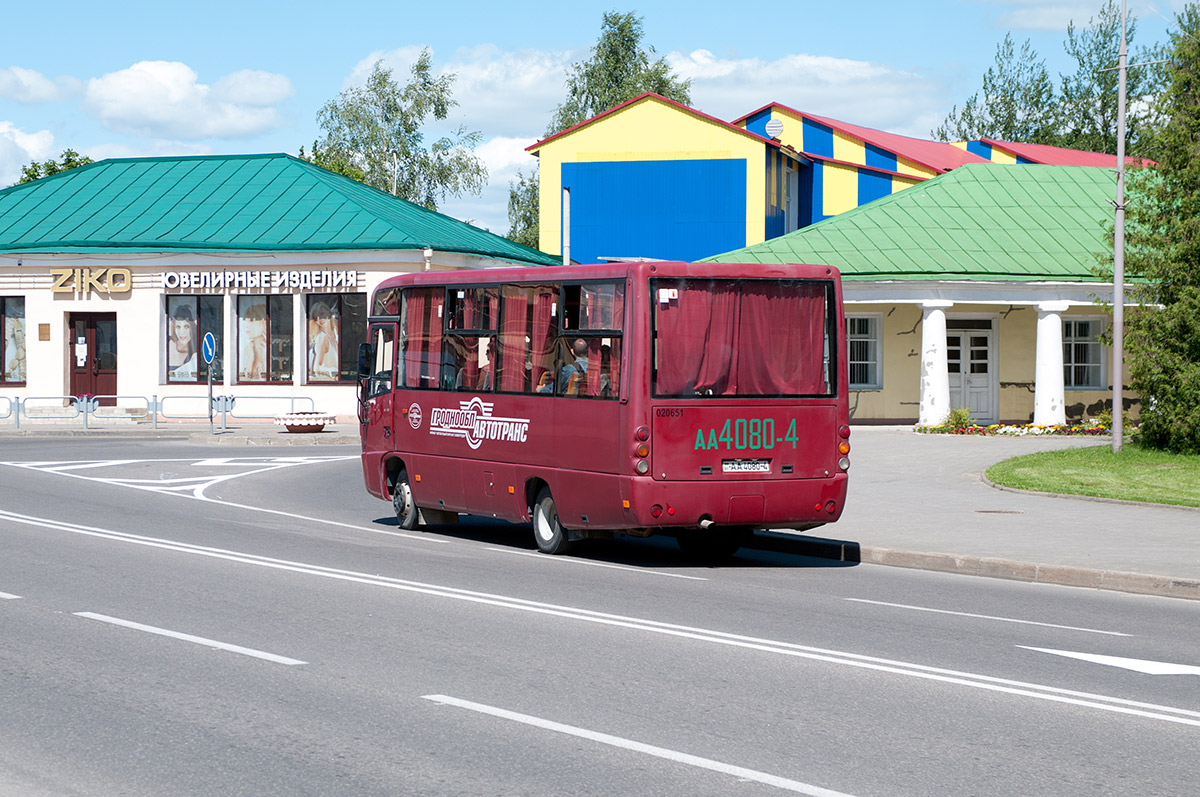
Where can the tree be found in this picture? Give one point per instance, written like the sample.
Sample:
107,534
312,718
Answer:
523,210
1017,102
374,133
1089,96
1163,248
70,159
619,70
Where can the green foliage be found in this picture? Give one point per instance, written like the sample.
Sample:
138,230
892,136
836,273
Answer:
959,418
523,210
1163,247
374,134
70,159
1017,102
1020,103
619,70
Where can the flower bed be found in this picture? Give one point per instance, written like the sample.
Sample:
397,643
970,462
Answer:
1090,428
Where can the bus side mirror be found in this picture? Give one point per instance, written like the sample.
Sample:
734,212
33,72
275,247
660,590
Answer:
366,359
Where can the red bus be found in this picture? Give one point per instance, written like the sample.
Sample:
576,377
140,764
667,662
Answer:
702,400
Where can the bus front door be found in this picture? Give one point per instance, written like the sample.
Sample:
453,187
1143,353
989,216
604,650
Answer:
377,411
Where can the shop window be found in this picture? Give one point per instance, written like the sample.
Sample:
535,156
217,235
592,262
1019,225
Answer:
12,345
264,339
337,323
188,319
1083,355
863,346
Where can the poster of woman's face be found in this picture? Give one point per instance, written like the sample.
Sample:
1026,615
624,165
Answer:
14,340
252,338
181,342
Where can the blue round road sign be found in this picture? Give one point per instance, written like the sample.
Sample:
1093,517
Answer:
209,348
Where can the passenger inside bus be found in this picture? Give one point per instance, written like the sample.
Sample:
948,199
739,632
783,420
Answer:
570,378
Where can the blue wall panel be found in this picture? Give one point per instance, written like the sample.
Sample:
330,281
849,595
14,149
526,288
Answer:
872,186
818,139
774,199
674,210
757,123
880,159
980,149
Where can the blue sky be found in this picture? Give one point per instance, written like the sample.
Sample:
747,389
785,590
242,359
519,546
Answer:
150,78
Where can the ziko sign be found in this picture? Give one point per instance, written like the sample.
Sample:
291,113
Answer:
100,280
288,280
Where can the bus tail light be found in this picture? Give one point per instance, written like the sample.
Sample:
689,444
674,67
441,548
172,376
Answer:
656,511
843,448
642,450
843,431
844,463
642,433
642,467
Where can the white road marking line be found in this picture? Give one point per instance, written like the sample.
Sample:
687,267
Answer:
258,654
1137,665
568,560
986,617
973,680
4,596
640,747
193,487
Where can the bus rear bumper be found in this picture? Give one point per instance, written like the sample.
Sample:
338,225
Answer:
766,503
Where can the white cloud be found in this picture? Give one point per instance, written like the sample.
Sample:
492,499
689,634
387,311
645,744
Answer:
163,99
859,92
29,87
18,148
1038,15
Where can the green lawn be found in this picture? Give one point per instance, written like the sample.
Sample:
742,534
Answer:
1133,474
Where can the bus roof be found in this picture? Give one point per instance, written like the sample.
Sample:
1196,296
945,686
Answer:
599,271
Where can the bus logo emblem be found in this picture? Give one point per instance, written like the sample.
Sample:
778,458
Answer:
414,415
473,421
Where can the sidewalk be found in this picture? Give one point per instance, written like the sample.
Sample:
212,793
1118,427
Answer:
915,501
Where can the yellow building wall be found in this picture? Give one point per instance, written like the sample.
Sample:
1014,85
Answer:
648,130
841,189
1015,328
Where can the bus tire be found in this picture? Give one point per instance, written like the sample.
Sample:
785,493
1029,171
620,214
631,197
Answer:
548,533
402,501
713,545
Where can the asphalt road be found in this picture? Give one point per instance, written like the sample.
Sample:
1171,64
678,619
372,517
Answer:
252,622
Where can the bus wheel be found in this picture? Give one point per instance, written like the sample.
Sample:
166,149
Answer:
713,545
402,501
551,537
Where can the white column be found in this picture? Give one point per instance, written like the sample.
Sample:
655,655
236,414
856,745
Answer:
1049,403
935,378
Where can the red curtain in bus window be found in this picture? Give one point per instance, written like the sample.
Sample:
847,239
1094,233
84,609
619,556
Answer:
780,338
423,331
514,301
416,316
697,339
542,338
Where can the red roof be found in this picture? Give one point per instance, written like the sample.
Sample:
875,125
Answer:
664,100
1060,156
936,155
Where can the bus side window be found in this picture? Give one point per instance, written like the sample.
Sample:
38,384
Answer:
380,381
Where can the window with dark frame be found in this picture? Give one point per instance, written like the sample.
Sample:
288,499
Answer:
188,319
336,323
12,345
265,339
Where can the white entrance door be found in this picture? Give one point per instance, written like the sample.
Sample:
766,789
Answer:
970,357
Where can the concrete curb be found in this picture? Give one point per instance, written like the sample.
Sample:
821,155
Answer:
1063,575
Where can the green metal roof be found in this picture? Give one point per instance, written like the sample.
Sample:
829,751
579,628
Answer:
228,203
978,222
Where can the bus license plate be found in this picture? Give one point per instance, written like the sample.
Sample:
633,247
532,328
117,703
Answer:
746,466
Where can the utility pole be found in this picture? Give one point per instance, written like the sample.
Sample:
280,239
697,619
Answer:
1118,353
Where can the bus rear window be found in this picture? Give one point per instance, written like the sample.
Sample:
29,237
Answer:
728,337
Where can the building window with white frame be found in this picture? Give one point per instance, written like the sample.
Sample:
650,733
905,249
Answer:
864,346
1083,355
336,324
